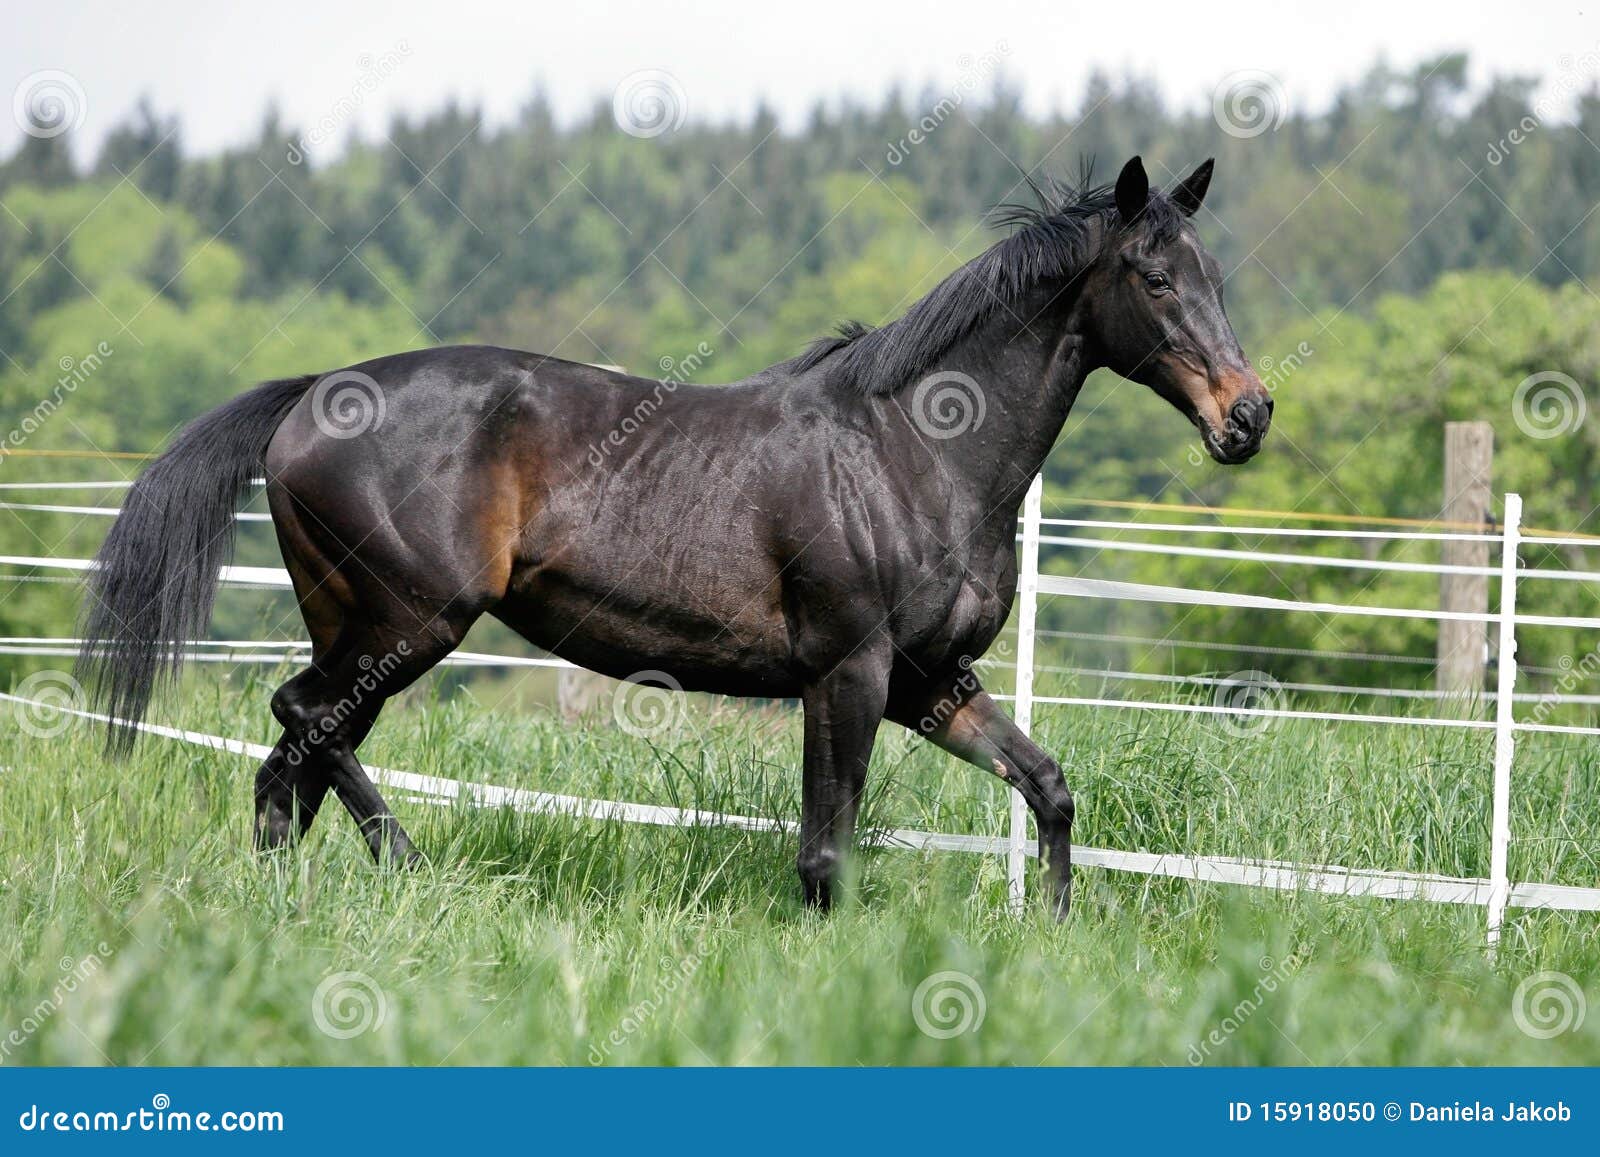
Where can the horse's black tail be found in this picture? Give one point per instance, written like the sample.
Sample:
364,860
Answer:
155,577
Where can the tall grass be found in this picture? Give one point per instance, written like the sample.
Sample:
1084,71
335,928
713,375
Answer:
556,941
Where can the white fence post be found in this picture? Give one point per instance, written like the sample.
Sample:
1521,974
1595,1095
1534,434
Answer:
1504,722
1027,618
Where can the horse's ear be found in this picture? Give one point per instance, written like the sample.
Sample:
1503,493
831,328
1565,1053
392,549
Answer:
1133,190
1189,192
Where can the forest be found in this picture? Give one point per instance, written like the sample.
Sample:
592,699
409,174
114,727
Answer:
1409,255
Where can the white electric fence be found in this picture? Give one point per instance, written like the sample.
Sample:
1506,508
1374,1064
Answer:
1495,893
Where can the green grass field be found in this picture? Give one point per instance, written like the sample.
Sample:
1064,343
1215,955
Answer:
140,929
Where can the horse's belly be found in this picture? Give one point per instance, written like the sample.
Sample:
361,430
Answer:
728,641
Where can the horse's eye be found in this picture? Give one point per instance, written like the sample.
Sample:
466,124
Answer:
1157,282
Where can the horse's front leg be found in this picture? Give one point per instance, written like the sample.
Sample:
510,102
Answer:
842,710
959,716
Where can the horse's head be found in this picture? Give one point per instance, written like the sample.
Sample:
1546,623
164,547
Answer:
1156,305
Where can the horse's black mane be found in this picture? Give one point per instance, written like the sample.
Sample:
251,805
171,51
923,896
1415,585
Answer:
1052,240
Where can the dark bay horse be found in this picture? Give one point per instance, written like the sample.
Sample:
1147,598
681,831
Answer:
838,528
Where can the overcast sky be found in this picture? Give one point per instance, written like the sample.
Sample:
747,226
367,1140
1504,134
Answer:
217,64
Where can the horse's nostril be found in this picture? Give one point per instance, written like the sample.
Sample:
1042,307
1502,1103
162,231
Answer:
1250,415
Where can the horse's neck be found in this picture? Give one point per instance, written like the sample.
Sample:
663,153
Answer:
1027,366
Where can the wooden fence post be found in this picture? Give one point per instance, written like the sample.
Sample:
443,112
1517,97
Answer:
1463,646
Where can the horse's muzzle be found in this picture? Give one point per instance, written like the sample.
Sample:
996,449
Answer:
1247,424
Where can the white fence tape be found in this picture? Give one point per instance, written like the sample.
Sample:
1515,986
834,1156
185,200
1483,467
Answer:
1275,874
1495,893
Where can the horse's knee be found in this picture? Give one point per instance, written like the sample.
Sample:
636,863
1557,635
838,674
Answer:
1055,805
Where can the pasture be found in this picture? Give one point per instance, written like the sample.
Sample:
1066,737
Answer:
543,940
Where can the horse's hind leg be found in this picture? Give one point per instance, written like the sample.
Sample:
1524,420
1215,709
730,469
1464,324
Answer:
330,711
289,793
